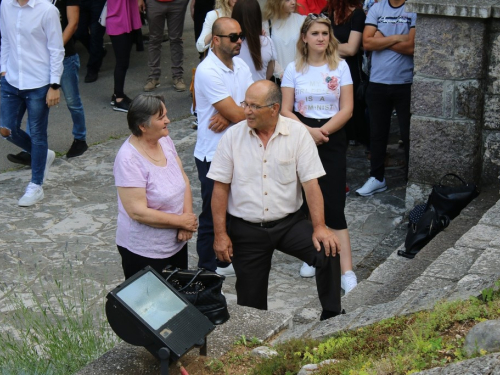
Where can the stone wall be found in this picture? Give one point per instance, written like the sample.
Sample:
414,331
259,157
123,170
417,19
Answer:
455,124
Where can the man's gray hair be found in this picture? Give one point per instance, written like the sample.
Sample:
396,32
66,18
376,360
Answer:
274,95
142,108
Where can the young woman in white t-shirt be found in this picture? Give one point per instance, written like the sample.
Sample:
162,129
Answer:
257,50
317,91
282,24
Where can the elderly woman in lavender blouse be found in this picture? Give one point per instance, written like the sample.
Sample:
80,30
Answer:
155,205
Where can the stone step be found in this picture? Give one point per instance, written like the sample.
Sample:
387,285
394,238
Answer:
393,276
459,271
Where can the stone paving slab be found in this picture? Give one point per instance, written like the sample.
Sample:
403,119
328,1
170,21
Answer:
71,233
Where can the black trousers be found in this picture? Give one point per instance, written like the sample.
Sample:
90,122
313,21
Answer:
332,185
381,99
253,248
133,263
122,46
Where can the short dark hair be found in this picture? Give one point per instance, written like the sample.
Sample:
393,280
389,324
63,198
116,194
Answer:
274,95
142,108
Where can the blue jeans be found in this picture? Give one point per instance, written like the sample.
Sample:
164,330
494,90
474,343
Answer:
15,102
69,86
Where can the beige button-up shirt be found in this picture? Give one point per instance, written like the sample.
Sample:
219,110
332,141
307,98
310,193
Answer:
266,181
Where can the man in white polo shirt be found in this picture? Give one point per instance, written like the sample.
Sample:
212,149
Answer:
220,85
260,168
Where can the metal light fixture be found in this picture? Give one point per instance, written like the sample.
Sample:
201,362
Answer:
147,311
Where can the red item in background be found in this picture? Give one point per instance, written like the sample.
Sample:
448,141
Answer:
305,7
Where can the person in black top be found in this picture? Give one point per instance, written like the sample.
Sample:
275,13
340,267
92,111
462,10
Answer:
69,12
91,34
348,22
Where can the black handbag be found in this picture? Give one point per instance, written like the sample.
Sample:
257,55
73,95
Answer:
421,233
203,289
450,200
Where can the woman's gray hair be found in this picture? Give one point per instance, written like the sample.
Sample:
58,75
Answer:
142,108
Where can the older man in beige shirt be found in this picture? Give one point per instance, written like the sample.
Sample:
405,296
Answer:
260,168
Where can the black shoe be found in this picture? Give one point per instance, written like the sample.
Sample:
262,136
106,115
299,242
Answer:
77,148
113,100
23,158
325,314
91,76
122,106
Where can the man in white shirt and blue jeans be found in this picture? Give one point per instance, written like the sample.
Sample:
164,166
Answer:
32,53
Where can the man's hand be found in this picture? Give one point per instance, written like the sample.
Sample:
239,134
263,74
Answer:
218,123
189,222
325,236
319,135
184,235
3,74
223,247
53,97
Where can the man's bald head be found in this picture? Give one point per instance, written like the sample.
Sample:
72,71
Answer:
222,25
268,90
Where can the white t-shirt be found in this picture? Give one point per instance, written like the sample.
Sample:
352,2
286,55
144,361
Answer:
285,34
214,82
268,53
210,18
317,88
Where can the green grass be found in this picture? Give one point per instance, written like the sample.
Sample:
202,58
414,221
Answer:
57,331
400,345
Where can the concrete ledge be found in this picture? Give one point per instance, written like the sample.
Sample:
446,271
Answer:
455,8
128,359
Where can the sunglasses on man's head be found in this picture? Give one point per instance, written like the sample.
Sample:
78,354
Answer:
233,37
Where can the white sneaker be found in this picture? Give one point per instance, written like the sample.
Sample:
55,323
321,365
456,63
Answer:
348,281
51,155
371,187
226,271
33,194
307,271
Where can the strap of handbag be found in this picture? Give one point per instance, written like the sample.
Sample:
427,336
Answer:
270,28
190,281
453,175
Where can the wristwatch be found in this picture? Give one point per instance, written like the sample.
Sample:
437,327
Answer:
55,86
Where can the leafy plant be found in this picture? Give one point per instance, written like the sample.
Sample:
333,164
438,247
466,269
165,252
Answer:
57,331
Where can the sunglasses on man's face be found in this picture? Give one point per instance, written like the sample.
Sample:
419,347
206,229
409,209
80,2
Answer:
233,37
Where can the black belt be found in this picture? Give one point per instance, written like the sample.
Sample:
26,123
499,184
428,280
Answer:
264,224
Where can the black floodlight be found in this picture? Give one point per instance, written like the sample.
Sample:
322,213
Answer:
147,311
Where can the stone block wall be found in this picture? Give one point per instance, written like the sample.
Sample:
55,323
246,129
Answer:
455,124
491,130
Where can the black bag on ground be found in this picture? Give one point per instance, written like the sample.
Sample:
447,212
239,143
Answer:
450,200
203,289
421,233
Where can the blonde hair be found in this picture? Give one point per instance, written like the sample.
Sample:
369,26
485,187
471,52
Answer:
273,9
332,51
223,5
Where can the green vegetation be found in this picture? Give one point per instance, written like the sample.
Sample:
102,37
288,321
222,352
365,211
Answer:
57,333
400,345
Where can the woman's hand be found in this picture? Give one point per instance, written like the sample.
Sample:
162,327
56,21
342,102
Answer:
189,222
319,135
184,235
142,6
